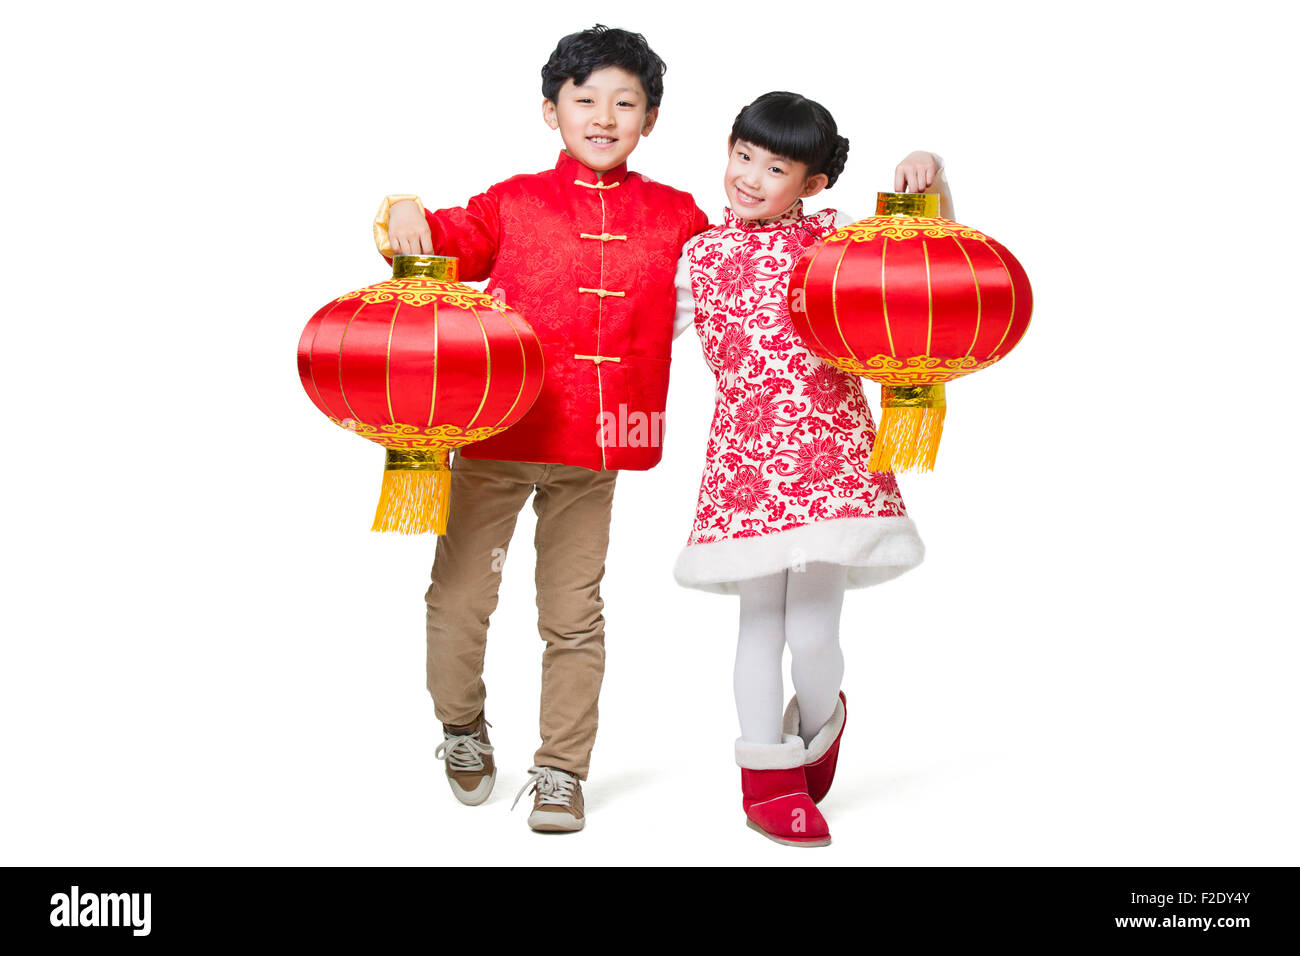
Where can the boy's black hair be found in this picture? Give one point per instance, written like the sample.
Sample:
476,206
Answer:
797,128
578,55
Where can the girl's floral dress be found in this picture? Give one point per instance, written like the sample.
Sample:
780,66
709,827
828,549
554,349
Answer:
785,474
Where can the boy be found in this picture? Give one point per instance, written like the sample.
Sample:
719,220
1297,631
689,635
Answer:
587,252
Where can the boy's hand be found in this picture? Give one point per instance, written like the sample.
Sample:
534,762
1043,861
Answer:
916,173
408,230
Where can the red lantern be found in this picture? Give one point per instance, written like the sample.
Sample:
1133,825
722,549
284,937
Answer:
419,364
911,301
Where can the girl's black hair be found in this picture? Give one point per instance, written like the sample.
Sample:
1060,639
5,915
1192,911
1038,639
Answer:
797,128
579,54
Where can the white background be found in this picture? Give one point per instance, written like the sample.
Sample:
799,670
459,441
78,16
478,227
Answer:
208,658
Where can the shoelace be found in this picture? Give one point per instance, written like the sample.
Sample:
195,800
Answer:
463,752
555,786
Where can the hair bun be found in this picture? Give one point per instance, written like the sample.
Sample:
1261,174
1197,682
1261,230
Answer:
835,164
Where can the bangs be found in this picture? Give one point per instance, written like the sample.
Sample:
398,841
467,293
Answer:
784,124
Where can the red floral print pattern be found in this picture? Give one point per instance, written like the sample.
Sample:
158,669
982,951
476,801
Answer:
791,434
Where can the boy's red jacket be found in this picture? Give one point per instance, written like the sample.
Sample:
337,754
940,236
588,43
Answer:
590,261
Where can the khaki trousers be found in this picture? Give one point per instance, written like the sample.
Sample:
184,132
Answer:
573,510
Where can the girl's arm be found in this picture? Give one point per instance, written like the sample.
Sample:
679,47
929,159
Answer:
685,316
922,172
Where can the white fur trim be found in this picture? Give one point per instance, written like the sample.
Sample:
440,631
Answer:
824,738
874,549
786,755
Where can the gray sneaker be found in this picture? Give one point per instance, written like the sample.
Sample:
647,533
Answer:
557,800
471,771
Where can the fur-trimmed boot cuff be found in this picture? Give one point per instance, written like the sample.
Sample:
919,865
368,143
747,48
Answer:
786,755
823,752
825,737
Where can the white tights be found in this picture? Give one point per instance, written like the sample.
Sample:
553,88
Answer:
802,609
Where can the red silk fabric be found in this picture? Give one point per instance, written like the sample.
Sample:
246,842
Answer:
537,238
886,294
432,355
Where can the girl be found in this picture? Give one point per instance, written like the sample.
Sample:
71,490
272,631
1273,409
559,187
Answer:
788,515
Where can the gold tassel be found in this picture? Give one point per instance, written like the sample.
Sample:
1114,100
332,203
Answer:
911,423
416,492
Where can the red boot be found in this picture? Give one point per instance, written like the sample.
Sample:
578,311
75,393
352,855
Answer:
824,750
775,795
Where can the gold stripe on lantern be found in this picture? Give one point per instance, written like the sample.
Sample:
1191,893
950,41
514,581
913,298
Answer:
416,489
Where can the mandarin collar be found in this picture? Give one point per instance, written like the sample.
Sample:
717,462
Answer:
791,217
572,169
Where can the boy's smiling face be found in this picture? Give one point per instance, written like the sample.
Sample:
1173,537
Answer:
602,119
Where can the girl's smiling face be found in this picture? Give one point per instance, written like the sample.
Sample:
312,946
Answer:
763,185
601,120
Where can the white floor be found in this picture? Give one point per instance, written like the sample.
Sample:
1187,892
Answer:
1000,712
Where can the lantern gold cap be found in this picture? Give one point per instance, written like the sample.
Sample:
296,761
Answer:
908,204
426,267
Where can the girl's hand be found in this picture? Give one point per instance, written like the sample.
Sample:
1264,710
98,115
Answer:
916,173
408,230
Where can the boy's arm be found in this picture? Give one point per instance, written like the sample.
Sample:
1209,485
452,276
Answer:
699,222
396,213
470,233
